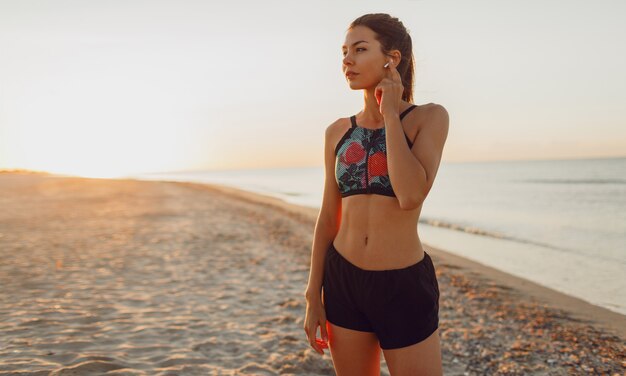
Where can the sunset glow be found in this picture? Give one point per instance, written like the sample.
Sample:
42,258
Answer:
201,92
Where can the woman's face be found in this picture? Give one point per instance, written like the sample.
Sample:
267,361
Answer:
362,55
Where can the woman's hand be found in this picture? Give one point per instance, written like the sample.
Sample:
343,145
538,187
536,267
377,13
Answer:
389,92
315,315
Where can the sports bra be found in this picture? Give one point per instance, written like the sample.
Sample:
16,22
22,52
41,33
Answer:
361,160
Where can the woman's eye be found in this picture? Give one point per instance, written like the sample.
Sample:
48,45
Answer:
358,48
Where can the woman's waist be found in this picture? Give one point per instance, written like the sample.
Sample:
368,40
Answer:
379,249
379,229
371,240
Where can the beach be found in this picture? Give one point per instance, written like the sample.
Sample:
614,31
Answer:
130,277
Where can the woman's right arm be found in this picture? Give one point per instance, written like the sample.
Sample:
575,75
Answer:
329,217
326,228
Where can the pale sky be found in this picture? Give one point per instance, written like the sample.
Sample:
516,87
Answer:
116,87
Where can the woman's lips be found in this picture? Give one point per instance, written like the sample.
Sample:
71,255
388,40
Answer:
351,76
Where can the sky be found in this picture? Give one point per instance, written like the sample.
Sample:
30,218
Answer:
107,88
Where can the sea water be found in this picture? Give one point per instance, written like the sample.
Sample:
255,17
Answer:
559,223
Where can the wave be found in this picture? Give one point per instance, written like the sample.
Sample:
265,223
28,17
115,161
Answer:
491,234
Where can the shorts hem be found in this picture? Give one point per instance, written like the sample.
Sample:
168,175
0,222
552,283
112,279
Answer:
420,338
349,326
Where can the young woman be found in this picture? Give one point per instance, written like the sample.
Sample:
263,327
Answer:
371,284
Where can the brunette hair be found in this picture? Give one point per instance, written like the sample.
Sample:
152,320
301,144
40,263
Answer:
392,35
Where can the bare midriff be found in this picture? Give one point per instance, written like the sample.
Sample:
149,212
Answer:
376,234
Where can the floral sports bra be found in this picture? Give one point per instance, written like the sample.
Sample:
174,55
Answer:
361,160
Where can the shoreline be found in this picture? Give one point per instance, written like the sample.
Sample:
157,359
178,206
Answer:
576,307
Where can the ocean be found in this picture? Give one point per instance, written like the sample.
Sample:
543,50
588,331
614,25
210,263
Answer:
558,223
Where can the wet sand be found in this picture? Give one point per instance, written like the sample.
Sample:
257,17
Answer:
125,277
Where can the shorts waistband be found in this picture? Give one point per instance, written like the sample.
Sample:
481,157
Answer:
420,264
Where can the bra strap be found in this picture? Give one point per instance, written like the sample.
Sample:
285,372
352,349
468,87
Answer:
407,111
353,120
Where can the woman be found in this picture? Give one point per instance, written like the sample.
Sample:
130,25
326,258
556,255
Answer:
371,284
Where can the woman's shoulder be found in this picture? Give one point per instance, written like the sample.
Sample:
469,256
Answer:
437,114
425,113
338,126
427,107
433,107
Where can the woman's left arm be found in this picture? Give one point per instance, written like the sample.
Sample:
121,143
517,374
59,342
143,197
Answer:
412,171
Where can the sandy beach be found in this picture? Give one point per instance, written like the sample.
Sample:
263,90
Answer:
126,277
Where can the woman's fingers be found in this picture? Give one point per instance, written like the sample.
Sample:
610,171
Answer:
316,343
321,344
315,317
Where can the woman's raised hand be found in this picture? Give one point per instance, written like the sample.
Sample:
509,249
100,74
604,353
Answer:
389,91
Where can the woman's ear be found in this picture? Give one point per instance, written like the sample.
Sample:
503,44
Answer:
394,57
397,57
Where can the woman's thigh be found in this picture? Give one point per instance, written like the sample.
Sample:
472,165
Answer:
353,352
420,359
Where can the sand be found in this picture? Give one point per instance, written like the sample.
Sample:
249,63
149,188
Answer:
125,277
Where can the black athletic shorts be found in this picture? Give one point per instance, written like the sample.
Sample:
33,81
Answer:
400,305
